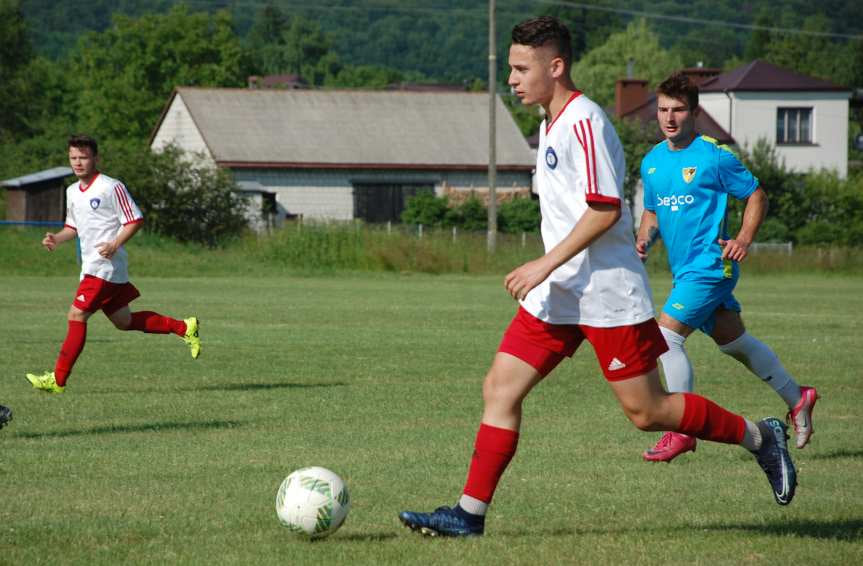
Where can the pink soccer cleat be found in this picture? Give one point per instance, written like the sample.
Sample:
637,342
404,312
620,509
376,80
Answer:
670,446
801,415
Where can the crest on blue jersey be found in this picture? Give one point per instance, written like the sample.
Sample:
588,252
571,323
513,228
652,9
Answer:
688,173
550,158
94,203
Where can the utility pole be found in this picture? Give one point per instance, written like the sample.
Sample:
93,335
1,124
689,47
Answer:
491,239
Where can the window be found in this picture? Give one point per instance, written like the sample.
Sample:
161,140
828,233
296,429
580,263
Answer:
794,125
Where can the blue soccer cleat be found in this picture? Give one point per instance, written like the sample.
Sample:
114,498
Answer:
774,459
444,522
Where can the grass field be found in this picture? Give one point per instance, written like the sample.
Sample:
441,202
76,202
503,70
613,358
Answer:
150,457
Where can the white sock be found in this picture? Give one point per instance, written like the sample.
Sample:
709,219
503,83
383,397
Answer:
760,359
675,363
751,436
472,505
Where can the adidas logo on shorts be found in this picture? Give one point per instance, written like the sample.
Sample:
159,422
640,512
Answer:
81,297
616,365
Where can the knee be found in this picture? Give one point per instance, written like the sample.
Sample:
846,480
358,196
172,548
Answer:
495,390
644,418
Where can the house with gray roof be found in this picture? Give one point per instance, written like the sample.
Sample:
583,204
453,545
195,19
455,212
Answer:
38,197
338,154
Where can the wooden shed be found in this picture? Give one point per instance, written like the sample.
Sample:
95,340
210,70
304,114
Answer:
37,197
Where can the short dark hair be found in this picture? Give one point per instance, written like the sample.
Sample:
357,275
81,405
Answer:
80,140
545,30
679,86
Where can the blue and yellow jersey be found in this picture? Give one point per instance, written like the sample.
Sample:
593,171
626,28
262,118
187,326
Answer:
688,190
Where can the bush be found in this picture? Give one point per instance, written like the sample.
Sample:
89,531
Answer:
425,209
518,215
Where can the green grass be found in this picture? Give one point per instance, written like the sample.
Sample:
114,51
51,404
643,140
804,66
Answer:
150,457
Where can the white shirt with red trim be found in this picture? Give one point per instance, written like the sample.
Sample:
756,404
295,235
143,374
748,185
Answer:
98,211
580,160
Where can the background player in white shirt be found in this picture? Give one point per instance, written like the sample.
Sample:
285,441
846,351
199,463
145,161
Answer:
590,284
103,215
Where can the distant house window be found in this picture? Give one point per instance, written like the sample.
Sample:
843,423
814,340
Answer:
794,125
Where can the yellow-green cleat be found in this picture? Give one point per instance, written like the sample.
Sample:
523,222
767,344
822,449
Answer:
191,337
45,382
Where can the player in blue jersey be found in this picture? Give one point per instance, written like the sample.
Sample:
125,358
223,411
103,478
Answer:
687,181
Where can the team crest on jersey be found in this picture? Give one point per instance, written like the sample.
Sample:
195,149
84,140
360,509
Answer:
550,158
94,203
688,174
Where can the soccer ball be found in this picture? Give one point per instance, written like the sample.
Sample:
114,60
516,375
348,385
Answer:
313,502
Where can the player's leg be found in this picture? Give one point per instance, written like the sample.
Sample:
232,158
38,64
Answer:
689,306
730,335
649,407
119,313
529,351
507,383
73,345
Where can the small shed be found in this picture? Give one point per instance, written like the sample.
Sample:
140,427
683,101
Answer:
37,197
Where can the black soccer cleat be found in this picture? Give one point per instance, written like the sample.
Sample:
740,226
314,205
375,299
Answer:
774,459
444,521
5,416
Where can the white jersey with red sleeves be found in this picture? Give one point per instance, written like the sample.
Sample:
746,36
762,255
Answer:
98,212
580,160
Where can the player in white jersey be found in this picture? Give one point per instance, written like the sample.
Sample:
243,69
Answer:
103,215
590,284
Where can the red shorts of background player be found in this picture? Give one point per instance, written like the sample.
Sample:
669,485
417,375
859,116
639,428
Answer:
622,351
94,294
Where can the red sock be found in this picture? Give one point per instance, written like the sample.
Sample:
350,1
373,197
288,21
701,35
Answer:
492,452
72,346
705,419
154,323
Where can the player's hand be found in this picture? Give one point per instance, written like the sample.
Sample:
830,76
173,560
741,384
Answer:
520,281
641,249
107,249
49,242
735,250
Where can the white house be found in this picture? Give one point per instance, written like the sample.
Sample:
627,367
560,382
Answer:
346,154
805,118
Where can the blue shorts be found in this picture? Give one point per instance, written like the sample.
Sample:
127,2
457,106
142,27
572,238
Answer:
694,303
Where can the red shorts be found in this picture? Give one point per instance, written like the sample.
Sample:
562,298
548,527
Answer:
622,351
94,294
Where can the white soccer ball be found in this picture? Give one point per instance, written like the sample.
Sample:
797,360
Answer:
313,502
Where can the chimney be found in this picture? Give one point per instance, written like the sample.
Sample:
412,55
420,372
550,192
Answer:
628,95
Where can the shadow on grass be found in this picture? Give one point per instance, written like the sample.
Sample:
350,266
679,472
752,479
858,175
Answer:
262,386
123,429
837,454
850,530
370,537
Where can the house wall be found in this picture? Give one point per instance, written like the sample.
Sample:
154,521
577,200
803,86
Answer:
179,128
754,117
327,194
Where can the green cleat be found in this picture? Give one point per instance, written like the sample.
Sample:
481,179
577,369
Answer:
45,382
191,337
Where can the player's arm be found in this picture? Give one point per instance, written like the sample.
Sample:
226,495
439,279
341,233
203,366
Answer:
108,249
598,218
753,215
50,241
648,233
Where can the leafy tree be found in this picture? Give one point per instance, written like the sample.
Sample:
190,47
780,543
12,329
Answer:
815,55
637,139
125,74
597,72
15,54
178,195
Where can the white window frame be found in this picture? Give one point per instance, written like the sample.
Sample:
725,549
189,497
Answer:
790,118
